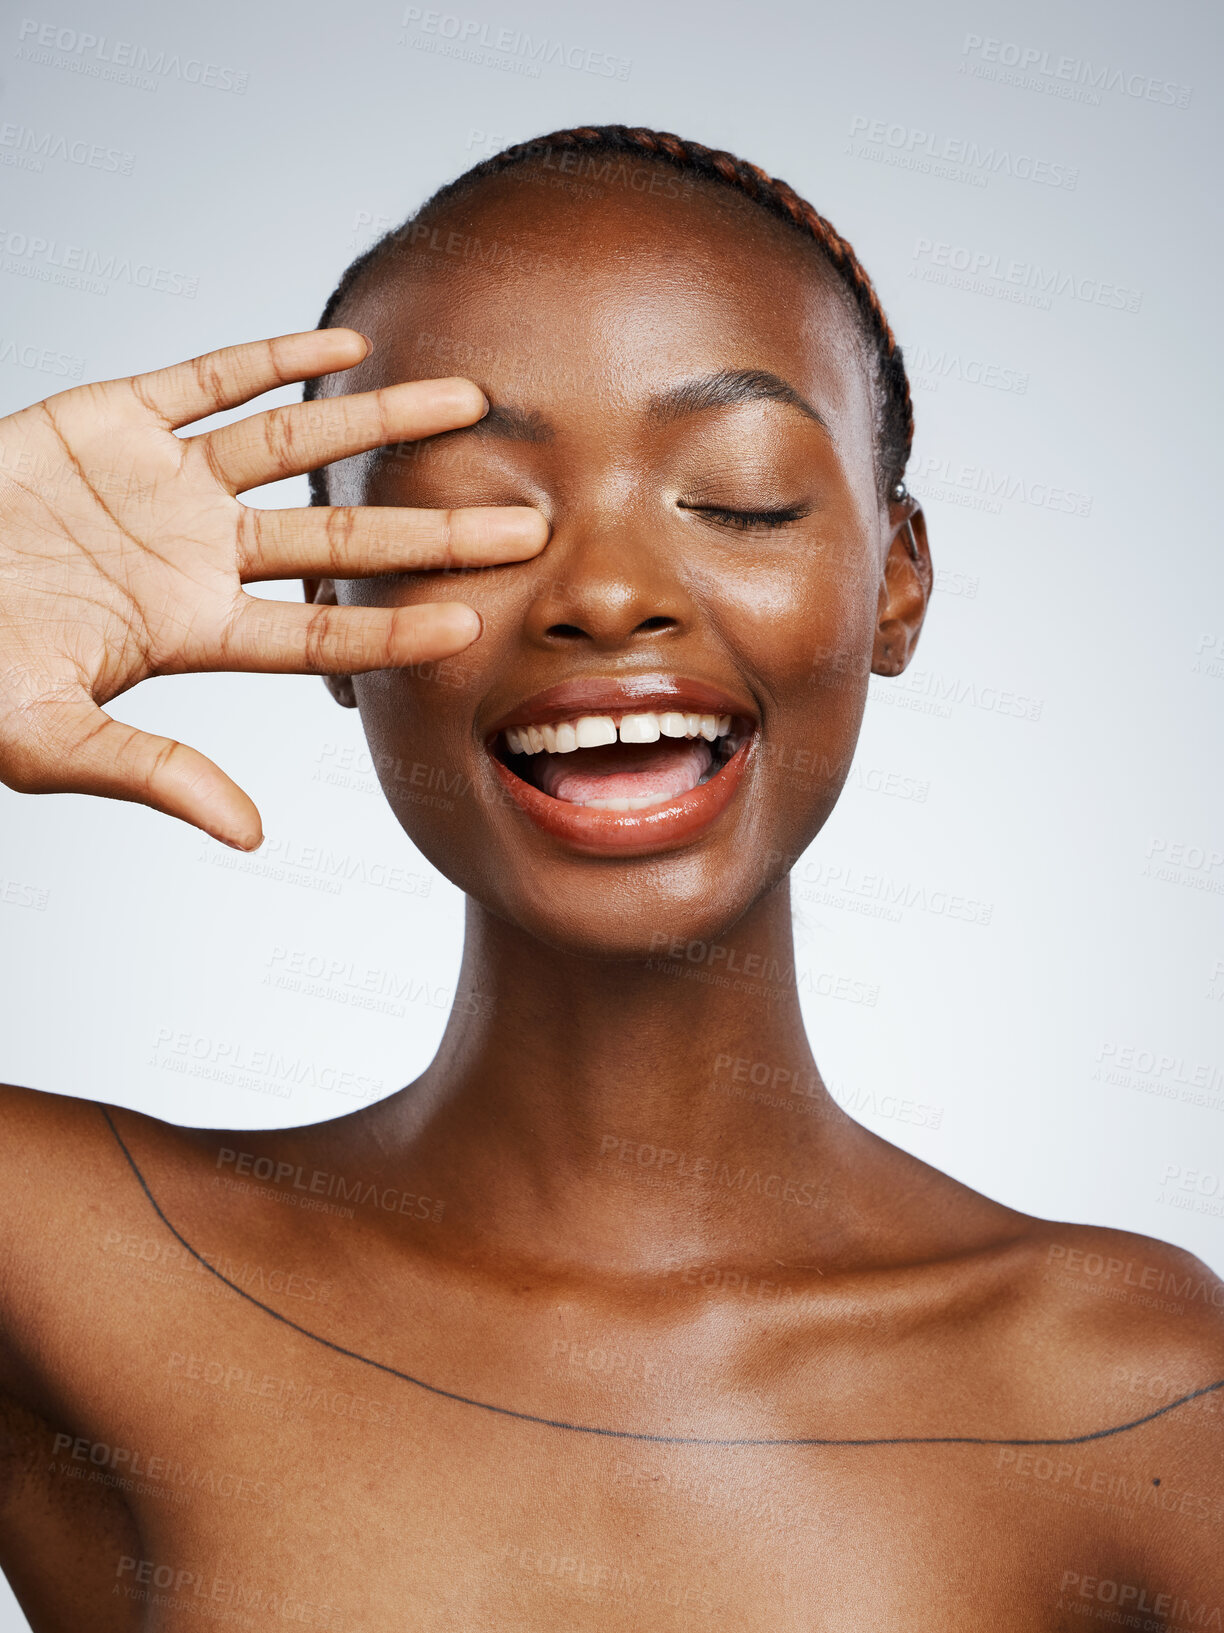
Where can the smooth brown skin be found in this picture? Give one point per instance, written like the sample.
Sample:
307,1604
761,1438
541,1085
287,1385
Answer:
542,1271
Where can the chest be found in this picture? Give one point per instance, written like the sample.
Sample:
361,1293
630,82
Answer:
275,1474
290,1487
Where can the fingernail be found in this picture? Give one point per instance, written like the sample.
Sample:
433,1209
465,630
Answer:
520,525
247,844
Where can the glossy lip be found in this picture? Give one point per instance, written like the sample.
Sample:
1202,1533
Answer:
657,828
605,695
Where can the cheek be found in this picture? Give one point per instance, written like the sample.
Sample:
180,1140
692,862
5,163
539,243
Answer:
804,620
806,628
405,718
417,726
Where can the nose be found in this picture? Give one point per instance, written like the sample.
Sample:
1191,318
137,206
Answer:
605,585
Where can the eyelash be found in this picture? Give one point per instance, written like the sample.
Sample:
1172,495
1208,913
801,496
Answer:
746,519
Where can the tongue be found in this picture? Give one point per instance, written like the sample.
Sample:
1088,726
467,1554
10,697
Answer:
624,771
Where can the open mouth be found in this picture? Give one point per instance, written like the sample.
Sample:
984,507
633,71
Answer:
627,763
623,778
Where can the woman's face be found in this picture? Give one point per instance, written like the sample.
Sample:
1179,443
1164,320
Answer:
677,385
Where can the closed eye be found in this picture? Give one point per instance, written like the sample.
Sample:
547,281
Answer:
746,519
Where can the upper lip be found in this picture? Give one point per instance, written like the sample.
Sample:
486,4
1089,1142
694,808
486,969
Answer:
598,694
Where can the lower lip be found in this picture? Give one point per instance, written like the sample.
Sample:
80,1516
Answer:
621,833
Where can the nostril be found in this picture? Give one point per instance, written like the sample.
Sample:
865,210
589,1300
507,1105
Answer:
575,632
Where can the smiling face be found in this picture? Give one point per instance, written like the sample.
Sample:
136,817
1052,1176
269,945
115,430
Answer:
682,390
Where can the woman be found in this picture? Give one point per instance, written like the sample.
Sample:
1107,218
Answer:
570,1332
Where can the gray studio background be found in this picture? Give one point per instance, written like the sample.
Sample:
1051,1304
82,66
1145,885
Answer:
1024,879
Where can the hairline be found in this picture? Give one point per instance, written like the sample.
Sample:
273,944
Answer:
463,187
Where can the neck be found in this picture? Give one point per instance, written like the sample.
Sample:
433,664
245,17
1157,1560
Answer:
626,1109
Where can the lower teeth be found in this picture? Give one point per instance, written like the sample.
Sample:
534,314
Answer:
624,804
724,749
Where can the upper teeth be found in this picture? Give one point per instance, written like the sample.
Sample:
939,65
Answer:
593,730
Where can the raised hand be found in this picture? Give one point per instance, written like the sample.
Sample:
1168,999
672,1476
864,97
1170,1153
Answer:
124,549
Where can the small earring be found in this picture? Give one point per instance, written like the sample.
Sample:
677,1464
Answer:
899,492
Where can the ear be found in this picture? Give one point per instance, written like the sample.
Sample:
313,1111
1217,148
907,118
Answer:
322,591
905,588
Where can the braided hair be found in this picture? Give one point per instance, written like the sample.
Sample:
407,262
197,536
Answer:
893,406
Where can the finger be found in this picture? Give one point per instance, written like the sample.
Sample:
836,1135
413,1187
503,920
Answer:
73,747
283,638
301,437
360,541
224,379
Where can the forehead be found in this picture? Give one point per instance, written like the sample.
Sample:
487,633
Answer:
527,287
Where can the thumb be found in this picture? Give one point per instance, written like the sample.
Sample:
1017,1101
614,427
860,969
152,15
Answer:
74,747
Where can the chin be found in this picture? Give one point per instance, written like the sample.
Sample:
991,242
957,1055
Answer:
633,912
611,818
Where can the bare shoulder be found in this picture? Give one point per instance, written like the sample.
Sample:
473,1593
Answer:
58,1149
1096,1292
82,1185
49,1143
1112,1363
64,1182
1070,1295
58,1182
1078,1331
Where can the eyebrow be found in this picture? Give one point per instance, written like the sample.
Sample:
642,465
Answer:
728,388
517,424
